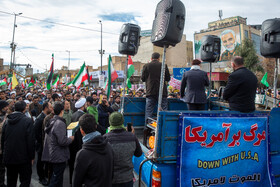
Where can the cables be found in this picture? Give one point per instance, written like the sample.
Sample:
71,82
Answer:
61,24
31,60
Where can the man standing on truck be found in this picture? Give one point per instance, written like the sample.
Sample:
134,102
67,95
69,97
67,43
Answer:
241,87
195,80
151,75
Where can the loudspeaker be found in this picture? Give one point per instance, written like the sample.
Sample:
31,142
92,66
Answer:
210,48
169,22
129,40
270,43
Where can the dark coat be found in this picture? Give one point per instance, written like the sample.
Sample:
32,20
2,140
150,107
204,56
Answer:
37,108
38,131
56,141
94,164
76,116
151,75
241,90
18,142
195,81
103,115
125,145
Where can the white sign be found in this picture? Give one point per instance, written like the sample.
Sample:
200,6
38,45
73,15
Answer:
101,81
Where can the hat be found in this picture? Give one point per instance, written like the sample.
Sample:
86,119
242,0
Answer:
13,92
59,95
28,95
116,119
27,102
3,104
80,103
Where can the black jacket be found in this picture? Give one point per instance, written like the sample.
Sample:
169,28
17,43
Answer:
241,90
94,164
151,75
125,145
38,131
76,116
195,81
18,142
103,115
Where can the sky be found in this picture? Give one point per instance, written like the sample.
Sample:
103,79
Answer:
58,26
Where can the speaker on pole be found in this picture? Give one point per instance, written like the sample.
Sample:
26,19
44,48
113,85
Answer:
169,22
129,40
270,42
210,48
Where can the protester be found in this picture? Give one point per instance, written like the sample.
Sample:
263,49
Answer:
55,97
67,115
3,115
116,106
104,110
195,81
56,145
67,97
241,87
125,145
42,169
95,99
35,105
76,145
151,75
91,109
18,146
94,162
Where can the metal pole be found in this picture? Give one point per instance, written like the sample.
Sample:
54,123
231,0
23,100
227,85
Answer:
162,80
275,83
101,51
69,64
124,84
210,86
13,46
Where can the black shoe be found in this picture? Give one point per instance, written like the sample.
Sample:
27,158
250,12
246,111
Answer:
44,182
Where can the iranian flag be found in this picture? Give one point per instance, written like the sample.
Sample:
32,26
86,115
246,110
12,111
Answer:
130,71
56,82
22,85
80,77
31,83
3,82
50,76
112,75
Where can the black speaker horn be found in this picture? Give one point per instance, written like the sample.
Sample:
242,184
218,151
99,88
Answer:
270,42
129,40
210,48
169,22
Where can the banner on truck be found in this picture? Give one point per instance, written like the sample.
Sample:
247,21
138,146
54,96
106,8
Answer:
224,150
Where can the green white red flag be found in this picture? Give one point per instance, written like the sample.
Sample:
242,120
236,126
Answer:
112,75
56,82
50,76
80,77
130,71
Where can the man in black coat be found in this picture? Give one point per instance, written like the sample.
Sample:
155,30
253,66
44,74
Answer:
94,162
241,87
104,110
151,76
18,145
195,80
42,169
76,145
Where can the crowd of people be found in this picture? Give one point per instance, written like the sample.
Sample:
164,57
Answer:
34,122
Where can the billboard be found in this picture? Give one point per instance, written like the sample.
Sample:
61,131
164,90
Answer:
230,40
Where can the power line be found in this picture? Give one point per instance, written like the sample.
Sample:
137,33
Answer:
31,60
61,24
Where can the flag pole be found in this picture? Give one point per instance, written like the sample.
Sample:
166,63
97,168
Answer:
124,84
275,82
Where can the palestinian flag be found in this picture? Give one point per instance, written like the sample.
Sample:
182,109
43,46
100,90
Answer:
56,82
50,76
130,71
80,77
31,83
112,75
3,82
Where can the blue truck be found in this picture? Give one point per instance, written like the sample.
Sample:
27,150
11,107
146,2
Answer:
182,146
